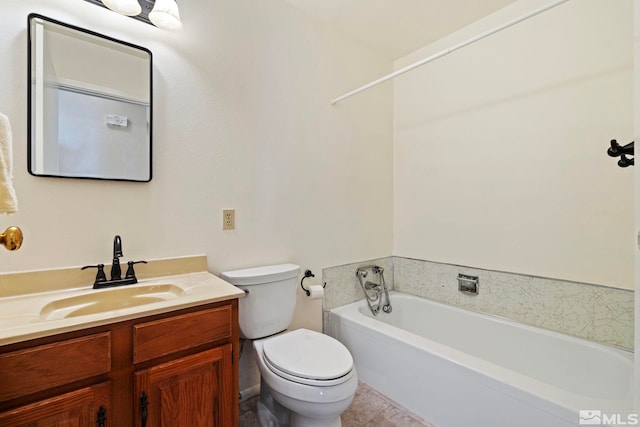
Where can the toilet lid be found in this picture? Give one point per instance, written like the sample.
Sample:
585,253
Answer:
308,354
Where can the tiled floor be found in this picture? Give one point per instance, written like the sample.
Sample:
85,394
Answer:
368,409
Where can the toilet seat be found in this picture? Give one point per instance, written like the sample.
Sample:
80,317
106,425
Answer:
308,357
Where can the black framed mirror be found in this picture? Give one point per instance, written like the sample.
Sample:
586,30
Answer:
90,104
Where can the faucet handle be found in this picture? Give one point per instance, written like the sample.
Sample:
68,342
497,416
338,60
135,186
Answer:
131,274
100,276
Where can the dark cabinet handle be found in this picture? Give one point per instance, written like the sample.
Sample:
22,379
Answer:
144,402
102,417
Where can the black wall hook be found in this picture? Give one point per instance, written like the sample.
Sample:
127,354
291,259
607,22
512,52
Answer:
622,151
307,274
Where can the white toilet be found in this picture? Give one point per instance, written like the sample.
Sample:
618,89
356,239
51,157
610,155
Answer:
310,374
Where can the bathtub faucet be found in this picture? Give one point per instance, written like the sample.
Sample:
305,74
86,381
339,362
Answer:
370,286
379,290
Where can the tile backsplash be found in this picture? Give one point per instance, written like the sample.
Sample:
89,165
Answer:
594,312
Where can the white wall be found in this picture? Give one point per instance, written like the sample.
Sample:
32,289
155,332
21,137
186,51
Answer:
88,62
636,132
241,120
500,148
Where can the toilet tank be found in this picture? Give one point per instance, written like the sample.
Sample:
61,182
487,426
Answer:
270,299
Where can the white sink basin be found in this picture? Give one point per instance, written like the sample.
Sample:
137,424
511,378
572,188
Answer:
100,301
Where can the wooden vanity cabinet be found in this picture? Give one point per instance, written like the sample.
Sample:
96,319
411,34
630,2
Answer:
171,370
84,407
191,391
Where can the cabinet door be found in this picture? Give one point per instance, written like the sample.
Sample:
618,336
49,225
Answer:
87,407
194,391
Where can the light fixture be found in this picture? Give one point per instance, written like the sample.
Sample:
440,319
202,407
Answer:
124,7
160,13
165,15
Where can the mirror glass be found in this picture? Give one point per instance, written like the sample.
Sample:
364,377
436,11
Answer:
89,104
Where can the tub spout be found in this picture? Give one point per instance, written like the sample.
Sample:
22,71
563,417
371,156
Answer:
370,286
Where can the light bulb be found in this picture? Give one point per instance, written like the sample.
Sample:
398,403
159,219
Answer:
124,7
165,15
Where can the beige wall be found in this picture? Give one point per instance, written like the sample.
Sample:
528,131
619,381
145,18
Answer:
242,120
500,148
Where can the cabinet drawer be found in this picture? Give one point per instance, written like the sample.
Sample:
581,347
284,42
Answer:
39,368
166,336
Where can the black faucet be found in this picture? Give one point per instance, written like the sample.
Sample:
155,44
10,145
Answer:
116,273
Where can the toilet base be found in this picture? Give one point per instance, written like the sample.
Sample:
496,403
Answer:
304,414
273,413
298,420
270,412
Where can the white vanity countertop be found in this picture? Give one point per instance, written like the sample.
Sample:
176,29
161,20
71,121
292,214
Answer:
22,317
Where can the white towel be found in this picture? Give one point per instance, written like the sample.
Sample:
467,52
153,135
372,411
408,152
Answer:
8,200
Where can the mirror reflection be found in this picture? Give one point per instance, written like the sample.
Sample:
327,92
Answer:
89,104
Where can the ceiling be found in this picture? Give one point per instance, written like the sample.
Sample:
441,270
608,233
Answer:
398,27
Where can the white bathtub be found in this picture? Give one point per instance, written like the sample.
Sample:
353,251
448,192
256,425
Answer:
457,368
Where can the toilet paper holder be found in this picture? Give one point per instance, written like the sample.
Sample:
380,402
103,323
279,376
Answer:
307,274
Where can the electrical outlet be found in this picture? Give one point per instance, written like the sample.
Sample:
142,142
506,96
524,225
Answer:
228,219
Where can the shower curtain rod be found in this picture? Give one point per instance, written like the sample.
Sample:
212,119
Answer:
448,51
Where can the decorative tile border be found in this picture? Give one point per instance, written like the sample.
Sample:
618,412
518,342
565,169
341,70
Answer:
594,312
597,313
